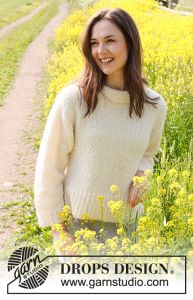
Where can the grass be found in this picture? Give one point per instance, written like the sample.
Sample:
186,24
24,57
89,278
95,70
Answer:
13,46
13,10
22,214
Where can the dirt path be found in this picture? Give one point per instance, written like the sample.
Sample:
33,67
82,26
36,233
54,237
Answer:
22,20
19,121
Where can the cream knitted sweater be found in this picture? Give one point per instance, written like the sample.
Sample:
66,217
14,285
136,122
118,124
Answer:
79,159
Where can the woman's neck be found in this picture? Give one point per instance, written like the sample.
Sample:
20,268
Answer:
115,83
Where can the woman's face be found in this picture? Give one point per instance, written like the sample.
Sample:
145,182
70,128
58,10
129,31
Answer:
108,43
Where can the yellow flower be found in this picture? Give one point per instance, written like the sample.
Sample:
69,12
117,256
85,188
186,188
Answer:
190,197
114,188
185,174
135,249
151,241
100,246
172,209
89,234
86,233
120,231
172,172
182,194
141,228
162,191
176,215
143,220
78,233
136,179
126,242
147,172
115,206
65,214
79,247
155,201
57,227
170,224
174,185
112,243
100,198
190,221
160,179
66,208
179,202
142,179
139,179
85,217
110,203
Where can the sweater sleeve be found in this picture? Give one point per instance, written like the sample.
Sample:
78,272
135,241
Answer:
147,161
55,147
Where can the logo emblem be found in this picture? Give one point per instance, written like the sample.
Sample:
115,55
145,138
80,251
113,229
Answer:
28,268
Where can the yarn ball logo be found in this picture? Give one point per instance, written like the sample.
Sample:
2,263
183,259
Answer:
28,268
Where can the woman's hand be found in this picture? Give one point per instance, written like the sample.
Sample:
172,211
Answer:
134,195
136,192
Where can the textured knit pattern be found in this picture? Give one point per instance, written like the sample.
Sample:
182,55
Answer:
80,158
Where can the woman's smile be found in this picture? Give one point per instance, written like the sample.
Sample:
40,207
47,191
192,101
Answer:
106,60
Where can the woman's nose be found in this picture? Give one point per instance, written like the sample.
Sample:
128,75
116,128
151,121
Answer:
101,48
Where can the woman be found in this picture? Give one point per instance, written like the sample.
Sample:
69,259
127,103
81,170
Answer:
102,129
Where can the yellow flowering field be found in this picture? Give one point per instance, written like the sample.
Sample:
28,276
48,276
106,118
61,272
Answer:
167,40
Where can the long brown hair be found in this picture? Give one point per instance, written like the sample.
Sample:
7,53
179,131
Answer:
92,79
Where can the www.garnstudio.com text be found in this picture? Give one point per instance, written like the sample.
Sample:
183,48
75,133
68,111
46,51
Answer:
92,283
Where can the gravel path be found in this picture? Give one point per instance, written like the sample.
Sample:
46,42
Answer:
22,20
19,120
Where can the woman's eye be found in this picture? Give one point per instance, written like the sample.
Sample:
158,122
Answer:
93,43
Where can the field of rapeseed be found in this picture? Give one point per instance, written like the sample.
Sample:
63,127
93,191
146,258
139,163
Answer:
167,40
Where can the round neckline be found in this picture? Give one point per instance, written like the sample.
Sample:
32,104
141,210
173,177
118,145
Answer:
114,88
114,95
